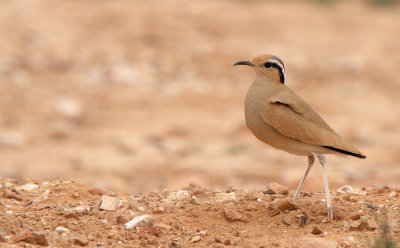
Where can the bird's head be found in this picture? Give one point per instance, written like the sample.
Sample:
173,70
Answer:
267,65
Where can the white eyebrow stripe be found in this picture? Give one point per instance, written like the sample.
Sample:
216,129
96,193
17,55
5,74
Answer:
276,62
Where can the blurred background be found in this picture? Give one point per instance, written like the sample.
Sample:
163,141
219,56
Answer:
136,96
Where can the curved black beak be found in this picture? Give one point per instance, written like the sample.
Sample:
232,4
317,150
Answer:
246,62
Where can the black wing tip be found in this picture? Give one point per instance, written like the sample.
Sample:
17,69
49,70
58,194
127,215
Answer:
346,152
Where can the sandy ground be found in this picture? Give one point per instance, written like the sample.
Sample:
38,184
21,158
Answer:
134,97
68,214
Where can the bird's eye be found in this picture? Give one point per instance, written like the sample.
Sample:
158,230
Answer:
267,65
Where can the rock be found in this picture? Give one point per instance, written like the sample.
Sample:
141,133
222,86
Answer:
195,239
151,230
316,230
287,220
179,195
81,241
26,187
372,206
225,197
30,237
2,239
231,189
285,204
8,194
233,215
355,216
252,196
278,188
158,210
97,191
39,205
68,107
82,210
109,203
21,237
121,219
357,192
61,229
7,185
312,242
227,242
362,225
38,239
269,192
392,194
139,221
344,189
218,239
274,212
347,189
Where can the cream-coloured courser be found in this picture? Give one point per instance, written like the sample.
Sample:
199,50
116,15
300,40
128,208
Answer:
282,119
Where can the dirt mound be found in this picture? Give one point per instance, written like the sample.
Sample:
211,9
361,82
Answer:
65,213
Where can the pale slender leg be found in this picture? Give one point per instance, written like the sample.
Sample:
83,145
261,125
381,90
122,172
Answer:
311,160
328,198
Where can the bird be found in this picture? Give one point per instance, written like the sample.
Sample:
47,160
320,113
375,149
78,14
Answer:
282,119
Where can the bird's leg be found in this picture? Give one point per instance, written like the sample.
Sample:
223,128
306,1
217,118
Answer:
311,160
328,198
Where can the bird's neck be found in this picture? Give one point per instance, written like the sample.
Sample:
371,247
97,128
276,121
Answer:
266,82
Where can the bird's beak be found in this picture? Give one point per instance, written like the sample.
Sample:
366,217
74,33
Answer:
246,62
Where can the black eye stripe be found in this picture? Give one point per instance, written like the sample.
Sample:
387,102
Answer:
280,69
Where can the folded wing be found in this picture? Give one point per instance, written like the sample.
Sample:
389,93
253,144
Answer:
293,117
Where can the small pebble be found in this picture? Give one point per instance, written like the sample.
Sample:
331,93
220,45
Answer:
109,203
142,220
195,239
227,242
278,188
316,230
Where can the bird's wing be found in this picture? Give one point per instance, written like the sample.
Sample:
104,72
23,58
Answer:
291,116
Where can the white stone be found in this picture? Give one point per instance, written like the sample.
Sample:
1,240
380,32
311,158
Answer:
344,189
27,187
61,229
225,197
68,107
7,185
179,195
82,209
142,220
109,203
